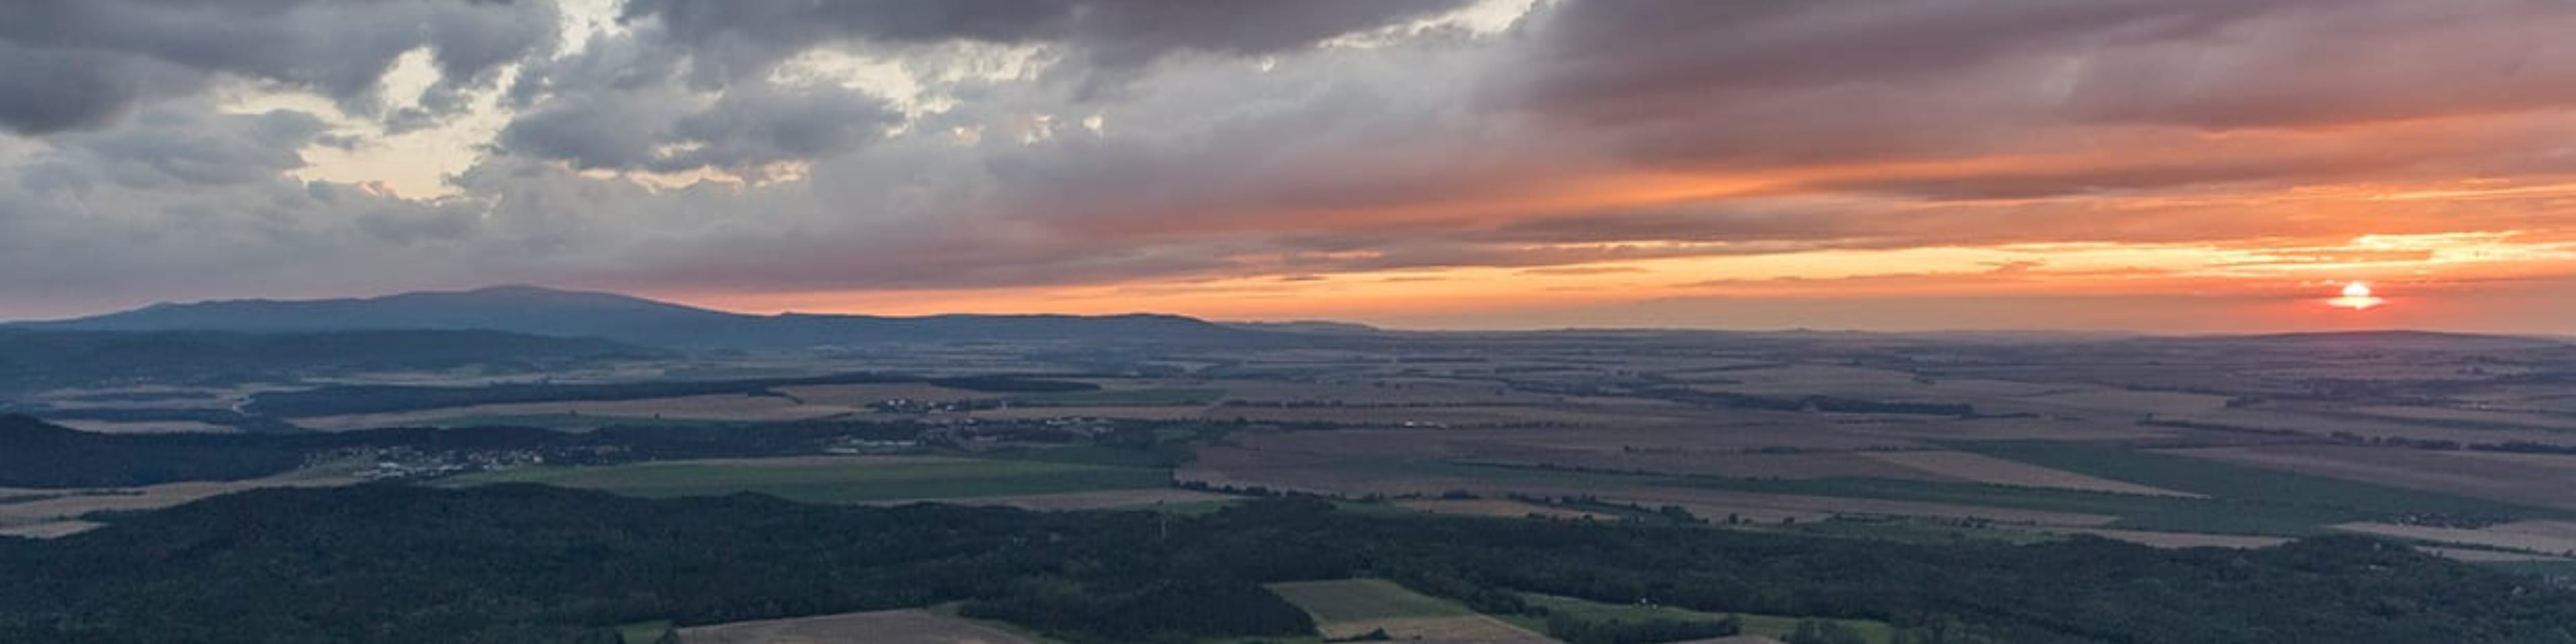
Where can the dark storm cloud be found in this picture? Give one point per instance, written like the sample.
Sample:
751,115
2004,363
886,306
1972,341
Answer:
742,37
620,106
68,64
179,147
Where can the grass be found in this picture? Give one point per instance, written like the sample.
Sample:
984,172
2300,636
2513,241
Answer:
1363,600
1122,398
852,481
644,633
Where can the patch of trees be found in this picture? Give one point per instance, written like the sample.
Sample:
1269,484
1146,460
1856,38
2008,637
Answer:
33,360
401,565
1580,630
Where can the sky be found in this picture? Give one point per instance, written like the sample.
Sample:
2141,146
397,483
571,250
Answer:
2151,165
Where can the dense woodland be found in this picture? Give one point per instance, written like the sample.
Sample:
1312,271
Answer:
32,360
386,563
36,454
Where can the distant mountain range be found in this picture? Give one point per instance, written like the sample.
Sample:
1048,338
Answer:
543,311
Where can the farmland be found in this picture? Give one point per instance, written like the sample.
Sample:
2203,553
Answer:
835,479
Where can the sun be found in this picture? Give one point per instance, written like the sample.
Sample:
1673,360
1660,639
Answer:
2357,296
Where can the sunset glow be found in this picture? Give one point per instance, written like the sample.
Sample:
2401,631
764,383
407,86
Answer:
1486,164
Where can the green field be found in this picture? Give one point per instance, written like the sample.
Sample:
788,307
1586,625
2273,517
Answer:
1122,398
1363,600
645,633
1773,626
2245,484
2242,500
854,480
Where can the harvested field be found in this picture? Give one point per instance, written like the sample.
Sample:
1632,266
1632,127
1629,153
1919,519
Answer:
54,530
2534,479
55,506
147,427
835,479
888,627
2537,537
1988,469
2181,539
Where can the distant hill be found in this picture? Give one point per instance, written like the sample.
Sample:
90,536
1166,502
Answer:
1315,327
541,311
33,359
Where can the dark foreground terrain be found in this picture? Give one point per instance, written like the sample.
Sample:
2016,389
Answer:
510,563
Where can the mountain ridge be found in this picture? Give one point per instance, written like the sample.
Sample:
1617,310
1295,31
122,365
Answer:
625,318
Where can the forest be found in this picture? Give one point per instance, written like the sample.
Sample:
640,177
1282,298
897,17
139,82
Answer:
40,455
515,563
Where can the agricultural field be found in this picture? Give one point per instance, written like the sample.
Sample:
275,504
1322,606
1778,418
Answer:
708,408
1987,469
2537,479
56,513
885,627
1772,626
851,479
1355,607
2547,538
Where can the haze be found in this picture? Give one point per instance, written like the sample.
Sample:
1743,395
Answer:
2224,165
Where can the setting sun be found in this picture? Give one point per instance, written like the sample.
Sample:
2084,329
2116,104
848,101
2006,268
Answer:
2357,296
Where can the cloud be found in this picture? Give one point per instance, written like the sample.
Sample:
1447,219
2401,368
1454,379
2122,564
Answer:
742,38
73,64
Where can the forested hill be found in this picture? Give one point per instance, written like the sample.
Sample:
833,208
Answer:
522,564
541,311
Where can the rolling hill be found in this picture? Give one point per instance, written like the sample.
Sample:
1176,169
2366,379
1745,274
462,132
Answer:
542,311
